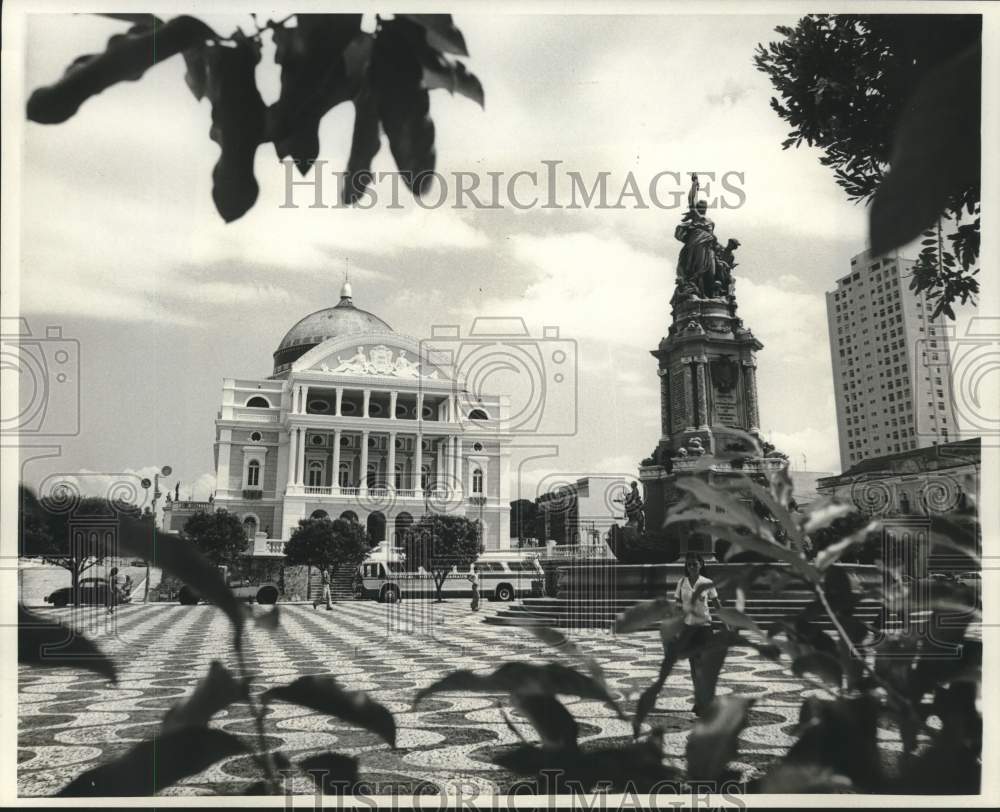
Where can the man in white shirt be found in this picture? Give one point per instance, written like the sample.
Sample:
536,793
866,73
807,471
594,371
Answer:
693,595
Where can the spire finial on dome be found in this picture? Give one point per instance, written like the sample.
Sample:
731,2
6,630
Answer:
345,290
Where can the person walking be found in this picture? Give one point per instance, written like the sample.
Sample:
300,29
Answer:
693,595
113,589
474,580
327,596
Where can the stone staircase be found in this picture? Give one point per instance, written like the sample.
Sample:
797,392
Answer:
561,613
341,588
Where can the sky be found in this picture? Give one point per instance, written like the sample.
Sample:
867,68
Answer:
122,248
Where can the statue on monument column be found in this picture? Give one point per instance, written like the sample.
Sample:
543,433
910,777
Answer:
704,267
696,263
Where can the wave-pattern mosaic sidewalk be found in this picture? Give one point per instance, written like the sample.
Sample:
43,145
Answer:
70,721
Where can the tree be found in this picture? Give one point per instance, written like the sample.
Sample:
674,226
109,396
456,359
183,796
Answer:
73,533
893,100
220,537
440,542
327,543
522,518
325,60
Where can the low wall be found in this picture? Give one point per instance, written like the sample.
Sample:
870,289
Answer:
613,581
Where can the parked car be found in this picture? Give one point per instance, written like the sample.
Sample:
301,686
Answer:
265,593
89,591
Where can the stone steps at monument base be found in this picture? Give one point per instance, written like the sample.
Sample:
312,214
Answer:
600,614
341,585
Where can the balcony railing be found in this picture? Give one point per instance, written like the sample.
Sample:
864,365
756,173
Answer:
253,493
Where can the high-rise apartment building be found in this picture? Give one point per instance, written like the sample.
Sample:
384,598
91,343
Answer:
891,373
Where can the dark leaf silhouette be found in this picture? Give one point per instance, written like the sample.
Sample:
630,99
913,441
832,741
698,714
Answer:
315,78
365,144
559,641
823,665
404,104
442,34
333,773
643,615
803,779
270,620
935,153
713,742
325,695
554,724
216,691
127,57
238,124
522,679
647,700
50,644
155,765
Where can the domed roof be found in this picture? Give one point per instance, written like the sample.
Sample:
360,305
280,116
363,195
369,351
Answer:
341,319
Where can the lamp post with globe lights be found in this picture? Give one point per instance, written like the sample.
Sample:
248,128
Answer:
165,471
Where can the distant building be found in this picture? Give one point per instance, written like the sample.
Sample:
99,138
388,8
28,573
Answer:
357,421
582,512
904,490
891,371
804,486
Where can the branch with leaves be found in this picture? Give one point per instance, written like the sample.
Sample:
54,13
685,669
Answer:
325,60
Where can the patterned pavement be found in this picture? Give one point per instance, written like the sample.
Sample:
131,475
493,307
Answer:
70,721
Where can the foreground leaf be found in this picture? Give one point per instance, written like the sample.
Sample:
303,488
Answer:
334,774
554,724
325,695
238,124
641,616
522,679
155,765
713,742
558,640
215,692
46,643
126,58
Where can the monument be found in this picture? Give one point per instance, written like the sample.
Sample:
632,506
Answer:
708,386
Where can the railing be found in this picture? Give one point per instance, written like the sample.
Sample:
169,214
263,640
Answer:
276,546
560,551
348,490
186,504
319,489
253,493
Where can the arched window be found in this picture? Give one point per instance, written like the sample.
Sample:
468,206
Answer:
315,474
477,481
349,515
253,474
425,477
319,514
257,402
344,475
478,414
398,481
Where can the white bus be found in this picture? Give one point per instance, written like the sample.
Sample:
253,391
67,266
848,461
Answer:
502,576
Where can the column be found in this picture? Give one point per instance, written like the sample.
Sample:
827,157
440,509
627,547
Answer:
664,402
459,482
293,454
392,404
420,405
750,372
300,477
689,417
368,398
364,454
418,463
391,463
305,399
439,470
701,368
336,460
340,399
451,408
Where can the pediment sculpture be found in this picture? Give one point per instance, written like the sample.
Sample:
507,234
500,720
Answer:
378,361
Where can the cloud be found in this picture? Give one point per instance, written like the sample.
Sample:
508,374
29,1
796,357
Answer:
732,93
820,448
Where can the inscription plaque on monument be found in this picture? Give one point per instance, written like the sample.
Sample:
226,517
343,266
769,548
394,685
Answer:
725,409
725,372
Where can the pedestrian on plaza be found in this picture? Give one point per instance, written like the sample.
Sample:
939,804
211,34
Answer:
693,595
126,595
327,596
111,595
474,580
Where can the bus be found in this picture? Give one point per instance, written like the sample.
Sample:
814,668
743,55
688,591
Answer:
503,576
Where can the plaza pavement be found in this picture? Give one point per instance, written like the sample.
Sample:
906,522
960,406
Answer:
70,721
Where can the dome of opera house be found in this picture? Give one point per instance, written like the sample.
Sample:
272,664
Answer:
341,319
